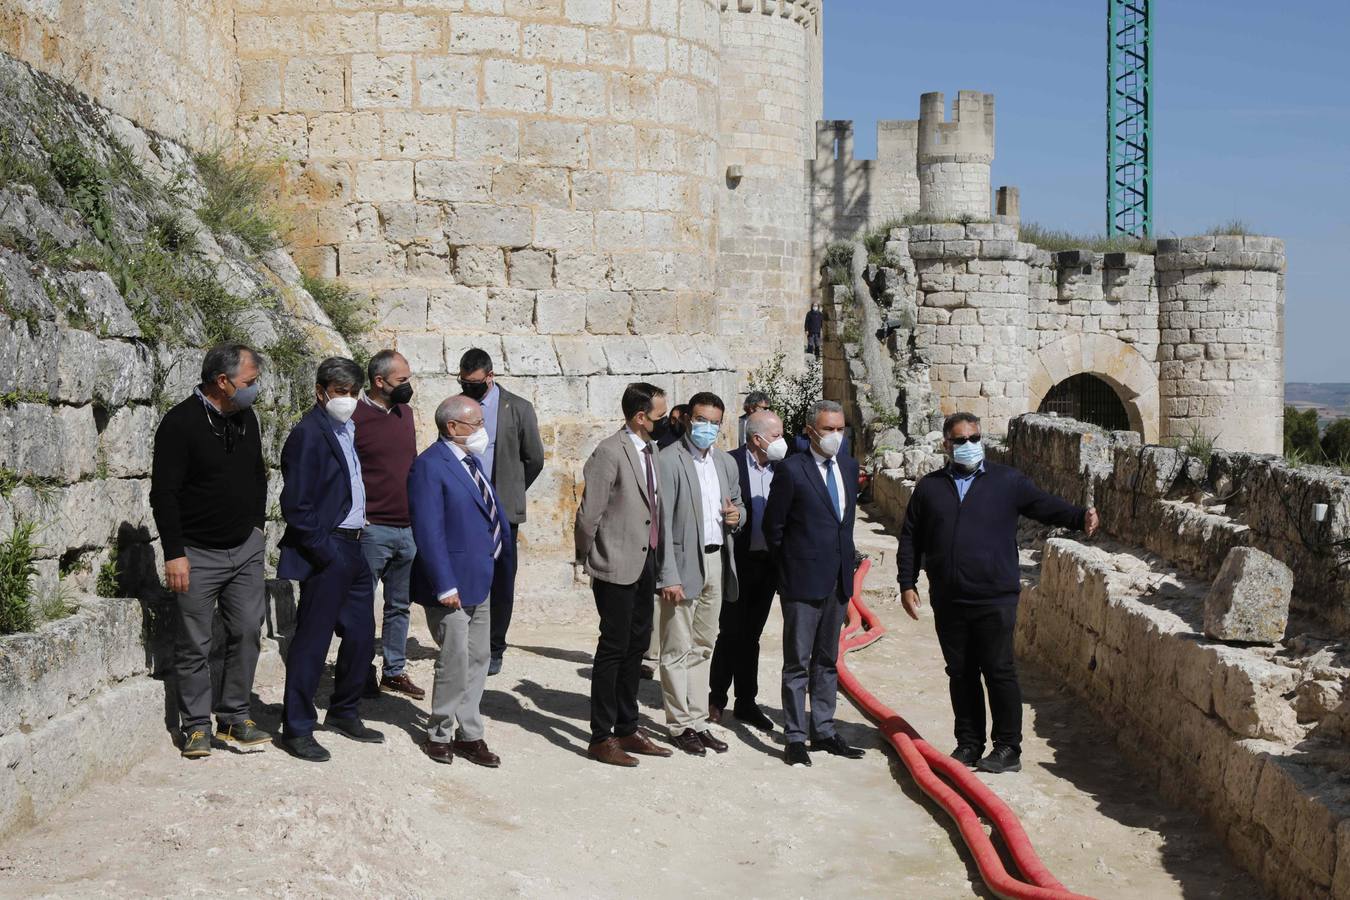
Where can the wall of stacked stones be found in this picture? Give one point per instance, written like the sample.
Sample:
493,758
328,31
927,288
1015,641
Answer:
166,64
541,178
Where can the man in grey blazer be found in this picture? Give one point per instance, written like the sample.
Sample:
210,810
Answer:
513,460
618,544
701,508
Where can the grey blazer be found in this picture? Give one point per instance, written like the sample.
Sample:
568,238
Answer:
682,521
520,453
615,515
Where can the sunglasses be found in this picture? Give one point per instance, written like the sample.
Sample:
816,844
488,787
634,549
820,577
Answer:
958,441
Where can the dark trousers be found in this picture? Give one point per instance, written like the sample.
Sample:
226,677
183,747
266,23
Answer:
810,656
736,655
338,599
503,597
625,629
978,641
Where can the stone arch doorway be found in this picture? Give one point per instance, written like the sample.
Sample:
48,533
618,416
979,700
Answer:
1087,398
1129,374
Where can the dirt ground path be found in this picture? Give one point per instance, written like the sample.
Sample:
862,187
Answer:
383,821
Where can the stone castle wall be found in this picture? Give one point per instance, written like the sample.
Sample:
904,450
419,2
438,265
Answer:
168,65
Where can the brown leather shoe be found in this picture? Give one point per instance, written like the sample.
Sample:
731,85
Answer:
714,714
441,753
477,752
688,741
712,743
402,684
609,752
639,743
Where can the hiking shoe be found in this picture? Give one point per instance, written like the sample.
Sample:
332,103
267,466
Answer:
967,754
196,744
245,733
306,748
1001,759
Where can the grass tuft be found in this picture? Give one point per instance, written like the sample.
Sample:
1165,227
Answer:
57,603
237,188
1053,240
1231,227
348,310
17,568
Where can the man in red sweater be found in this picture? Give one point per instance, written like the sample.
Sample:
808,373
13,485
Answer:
386,444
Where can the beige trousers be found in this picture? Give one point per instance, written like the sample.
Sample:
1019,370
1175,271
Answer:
688,633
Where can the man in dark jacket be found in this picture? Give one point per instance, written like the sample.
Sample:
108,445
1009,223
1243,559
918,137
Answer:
961,529
815,321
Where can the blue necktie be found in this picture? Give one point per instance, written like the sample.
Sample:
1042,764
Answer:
477,473
832,488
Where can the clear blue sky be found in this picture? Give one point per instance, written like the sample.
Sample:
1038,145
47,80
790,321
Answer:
1252,109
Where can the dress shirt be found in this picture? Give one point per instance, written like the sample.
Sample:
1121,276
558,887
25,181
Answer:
710,493
346,437
492,404
963,482
832,471
761,477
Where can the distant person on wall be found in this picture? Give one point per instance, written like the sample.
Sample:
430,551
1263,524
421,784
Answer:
815,323
618,544
808,528
512,461
462,539
755,401
208,491
386,445
701,511
961,529
323,501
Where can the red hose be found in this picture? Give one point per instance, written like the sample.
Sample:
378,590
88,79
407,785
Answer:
921,758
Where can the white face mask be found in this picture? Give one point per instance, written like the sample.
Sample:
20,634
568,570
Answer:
777,450
830,443
341,408
477,443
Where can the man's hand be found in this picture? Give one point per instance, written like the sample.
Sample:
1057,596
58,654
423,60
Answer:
1091,522
911,602
451,602
731,516
176,574
579,573
673,595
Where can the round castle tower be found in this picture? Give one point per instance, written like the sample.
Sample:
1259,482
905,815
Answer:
954,157
771,95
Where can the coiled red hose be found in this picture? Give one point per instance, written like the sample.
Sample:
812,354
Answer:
921,758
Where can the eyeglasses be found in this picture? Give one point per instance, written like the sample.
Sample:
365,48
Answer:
478,424
704,420
958,441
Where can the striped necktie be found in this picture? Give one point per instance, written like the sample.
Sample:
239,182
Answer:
476,471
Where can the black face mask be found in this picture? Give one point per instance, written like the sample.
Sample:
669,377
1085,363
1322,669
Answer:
474,390
401,394
662,428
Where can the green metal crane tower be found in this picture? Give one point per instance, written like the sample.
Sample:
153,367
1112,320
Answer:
1129,118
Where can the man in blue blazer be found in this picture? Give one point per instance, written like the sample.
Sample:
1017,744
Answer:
324,505
808,526
464,542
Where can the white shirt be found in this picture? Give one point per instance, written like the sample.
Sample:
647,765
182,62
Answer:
834,471
710,493
641,446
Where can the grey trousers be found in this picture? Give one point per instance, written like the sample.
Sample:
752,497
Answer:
465,639
810,654
231,580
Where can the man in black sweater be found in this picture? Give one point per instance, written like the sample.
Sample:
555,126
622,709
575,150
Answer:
961,529
208,491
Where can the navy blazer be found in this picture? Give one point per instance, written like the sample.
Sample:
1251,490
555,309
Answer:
315,497
741,541
812,548
452,530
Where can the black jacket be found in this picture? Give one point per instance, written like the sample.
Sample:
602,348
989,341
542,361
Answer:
969,549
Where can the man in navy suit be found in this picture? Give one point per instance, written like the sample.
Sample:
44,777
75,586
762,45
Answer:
324,505
808,526
464,541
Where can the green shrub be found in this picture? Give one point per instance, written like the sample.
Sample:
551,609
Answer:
109,580
1301,435
839,253
1335,442
17,568
237,185
84,181
348,310
1197,444
790,394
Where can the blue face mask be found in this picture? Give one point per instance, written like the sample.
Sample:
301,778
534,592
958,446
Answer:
968,455
244,397
703,434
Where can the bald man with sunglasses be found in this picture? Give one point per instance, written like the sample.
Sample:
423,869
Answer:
961,529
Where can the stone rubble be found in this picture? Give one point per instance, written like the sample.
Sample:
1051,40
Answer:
1249,600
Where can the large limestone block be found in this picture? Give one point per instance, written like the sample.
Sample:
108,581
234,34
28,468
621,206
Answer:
1249,601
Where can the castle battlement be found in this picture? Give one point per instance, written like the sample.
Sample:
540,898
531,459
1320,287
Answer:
807,12
968,137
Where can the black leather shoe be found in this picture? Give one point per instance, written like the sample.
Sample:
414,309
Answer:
835,746
355,729
306,748
1001,759
754,717
967,754
796,755
688,741
712,742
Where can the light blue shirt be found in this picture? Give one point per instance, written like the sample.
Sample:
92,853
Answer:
346,436
963,482
761,478
491,404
